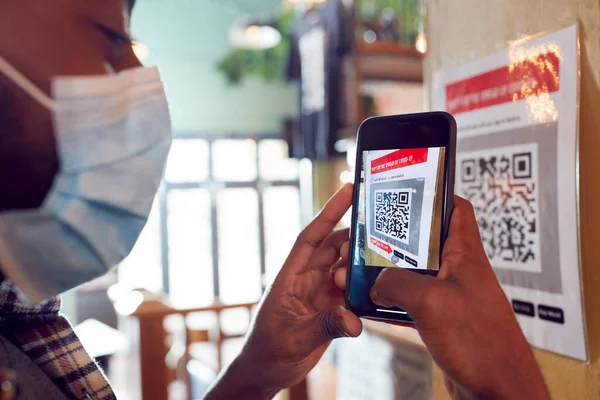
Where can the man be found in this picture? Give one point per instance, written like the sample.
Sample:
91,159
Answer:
83,140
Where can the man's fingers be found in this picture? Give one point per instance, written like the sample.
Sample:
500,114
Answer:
463,230
321,226
329,251
332,323
463,242
396,287
339,264
340,277
345,250
463,217
343,260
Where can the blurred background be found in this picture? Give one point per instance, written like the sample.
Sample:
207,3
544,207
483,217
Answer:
266,97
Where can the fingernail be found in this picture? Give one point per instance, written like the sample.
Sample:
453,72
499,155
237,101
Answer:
335,328
377,300
374,294
345,332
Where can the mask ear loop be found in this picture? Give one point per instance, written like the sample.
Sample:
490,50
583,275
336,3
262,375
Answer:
29,87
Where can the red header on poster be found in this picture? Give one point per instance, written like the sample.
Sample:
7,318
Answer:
531,77
399,159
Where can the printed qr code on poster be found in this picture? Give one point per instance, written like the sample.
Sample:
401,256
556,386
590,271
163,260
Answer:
392,213
502,184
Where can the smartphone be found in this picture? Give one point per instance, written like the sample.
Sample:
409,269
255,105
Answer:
402,204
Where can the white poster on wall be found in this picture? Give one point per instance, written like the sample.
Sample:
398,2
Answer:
517,162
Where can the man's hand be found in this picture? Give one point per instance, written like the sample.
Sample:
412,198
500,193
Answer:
299,315
464,318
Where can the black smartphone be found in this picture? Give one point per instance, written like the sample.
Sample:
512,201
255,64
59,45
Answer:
403,201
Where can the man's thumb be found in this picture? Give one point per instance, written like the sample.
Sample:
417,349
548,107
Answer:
396,287
335,322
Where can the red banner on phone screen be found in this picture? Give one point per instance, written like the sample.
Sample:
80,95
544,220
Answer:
399,159
383,246
531,77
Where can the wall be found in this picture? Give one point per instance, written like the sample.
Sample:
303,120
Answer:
461,30
186,38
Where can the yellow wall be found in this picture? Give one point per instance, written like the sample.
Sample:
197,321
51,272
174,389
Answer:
460,30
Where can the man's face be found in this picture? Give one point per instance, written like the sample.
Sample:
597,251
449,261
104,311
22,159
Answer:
44,39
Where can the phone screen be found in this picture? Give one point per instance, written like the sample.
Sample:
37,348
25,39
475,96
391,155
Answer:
400,208
404,182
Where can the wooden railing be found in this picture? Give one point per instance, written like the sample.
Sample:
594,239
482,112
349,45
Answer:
156,375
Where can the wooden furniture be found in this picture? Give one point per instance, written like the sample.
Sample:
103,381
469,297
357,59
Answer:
389,62
378,61
157,344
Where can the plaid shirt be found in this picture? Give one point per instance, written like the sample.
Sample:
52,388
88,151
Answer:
45,336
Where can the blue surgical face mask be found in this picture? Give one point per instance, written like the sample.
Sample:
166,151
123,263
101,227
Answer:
113,135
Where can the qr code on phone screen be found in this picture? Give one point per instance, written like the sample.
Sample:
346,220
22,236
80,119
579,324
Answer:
502,184
392,213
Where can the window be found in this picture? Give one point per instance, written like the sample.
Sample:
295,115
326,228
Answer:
224,221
